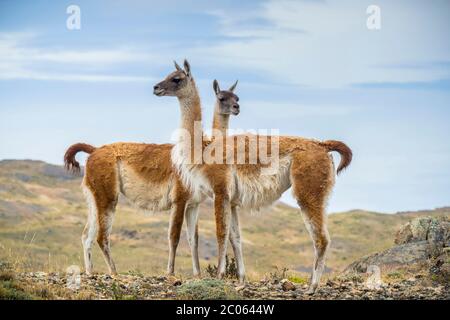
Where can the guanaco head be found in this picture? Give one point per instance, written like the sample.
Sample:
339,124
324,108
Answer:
226,99
177,84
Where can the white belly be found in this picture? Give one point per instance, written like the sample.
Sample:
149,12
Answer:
256,191
146,195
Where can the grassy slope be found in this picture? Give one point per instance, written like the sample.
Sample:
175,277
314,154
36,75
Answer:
42,215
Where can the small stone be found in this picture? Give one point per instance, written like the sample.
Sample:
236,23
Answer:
240,288
287,285
330,283
174,281
247,293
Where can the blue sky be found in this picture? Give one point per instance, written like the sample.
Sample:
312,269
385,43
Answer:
308,68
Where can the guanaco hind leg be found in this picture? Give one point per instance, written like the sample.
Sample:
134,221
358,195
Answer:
316,226
90,230
311,188
98,226
105,222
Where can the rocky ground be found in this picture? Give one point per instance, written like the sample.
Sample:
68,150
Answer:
54,286
416,267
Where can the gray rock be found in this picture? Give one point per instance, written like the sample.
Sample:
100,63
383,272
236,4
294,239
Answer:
433,229
420,240
399,255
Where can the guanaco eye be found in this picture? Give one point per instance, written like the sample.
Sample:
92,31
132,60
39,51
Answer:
176,80
222,99
237,99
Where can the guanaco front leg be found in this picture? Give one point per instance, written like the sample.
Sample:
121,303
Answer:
191,216
223,217
175,226
235,239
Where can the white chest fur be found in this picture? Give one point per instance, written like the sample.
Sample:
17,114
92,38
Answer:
191,174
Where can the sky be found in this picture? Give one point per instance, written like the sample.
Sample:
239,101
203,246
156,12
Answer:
307,68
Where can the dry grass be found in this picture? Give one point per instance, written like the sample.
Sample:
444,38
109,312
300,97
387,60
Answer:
42,217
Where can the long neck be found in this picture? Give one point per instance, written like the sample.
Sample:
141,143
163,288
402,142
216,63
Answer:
191,112
191,121
220,123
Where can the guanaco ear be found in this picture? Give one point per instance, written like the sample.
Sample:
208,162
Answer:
177,66
216,87
233,86
187,68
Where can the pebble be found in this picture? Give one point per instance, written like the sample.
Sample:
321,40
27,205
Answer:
287,285
240,288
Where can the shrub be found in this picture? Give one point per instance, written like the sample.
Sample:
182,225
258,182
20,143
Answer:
207,289
230,269
278,274
11,291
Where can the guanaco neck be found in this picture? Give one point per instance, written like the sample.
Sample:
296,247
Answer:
191,121
220,123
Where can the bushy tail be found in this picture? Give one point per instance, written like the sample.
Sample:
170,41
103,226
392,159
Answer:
69,158
344,151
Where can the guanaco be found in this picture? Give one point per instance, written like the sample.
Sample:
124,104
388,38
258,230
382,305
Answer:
144,175
303,164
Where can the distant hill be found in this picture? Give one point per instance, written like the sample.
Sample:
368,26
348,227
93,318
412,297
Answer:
42,215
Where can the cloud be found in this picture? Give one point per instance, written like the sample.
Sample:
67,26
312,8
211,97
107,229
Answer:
327,44
295,110
27,75
19,59
443,84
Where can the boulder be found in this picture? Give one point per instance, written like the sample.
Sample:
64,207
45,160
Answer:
396,256
423,228
424,239
434,230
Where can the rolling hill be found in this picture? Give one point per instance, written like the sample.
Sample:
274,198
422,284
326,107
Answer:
42,215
